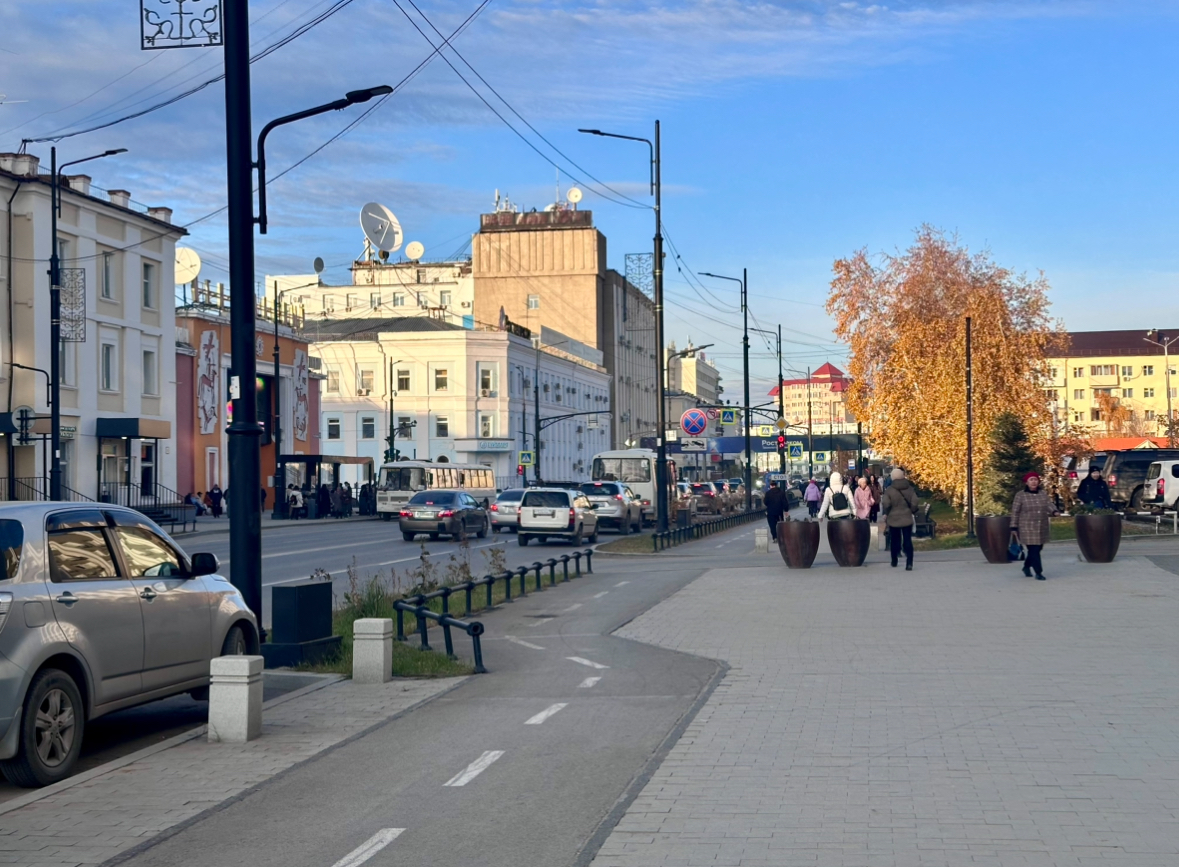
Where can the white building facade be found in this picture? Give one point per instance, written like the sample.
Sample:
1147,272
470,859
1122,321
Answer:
118,406
459,395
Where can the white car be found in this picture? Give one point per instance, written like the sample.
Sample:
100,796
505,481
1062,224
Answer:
615,506
1162,485
504,510
556,512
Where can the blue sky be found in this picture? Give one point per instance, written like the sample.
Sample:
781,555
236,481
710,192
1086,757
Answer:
794,133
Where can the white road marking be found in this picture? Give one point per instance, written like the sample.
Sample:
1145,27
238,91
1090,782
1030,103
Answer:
544,714
600,595
544,618
580,661
474,769
522,643
326,548
370,847
572,607
588,682
621,583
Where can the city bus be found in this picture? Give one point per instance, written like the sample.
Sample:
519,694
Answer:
400,480
636,469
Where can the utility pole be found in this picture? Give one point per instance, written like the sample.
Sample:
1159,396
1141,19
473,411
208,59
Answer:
280,487
744,283
1166,345
969,436
536,417
392,418
781,401
810,430
661,410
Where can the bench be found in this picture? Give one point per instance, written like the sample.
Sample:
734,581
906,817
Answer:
925,525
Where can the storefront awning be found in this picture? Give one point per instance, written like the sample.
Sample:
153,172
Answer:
133,428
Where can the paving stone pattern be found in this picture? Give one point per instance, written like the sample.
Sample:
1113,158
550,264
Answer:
93,821
960,714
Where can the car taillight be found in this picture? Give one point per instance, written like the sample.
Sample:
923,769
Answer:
572,517
618,497
646,502
448,513
405,513
1162,487
1113,480
711,494
1072,474
495,507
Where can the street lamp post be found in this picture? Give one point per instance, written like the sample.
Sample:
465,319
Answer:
657,267
744,284
1166,345
781,398
55,315
280,497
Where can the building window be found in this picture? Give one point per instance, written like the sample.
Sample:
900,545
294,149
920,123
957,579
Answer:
149,285
440,379
405,426
444,297
403,380
486,380
374,300
1078,373
1052,373
329,303
1149,415
441,427
151,383
1148,392
1051,394
66,361
1102,369
109,370
1174,392
333,380
421,275
1103,392
423,300
1148,370
1094,415
368,428
533,302
398,299
1127,370
364,381
333,426
108,275
349,303
1127,392
486,425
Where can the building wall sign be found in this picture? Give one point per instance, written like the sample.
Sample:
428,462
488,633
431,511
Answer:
481,445
208,380
301,413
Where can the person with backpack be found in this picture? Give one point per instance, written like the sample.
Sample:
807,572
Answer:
837,502
898,504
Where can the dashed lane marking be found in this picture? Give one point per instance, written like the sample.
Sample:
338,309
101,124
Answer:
545,714
588,682
370,847
621,583
572,607
581,661
474,769
600,595
522,642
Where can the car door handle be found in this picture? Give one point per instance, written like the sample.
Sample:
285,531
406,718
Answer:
66,598
148,593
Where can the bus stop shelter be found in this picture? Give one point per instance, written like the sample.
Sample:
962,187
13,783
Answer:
308,472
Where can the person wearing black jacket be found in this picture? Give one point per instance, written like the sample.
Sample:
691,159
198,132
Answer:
775,508
1094,490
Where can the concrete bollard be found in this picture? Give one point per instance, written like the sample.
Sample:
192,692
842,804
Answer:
372,650
235,699
761,541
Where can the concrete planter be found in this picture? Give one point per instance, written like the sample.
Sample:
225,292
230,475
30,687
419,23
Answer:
849,539
1099,537
994,537
798,542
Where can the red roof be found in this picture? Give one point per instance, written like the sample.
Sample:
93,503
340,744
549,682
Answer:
1115,444
828,375
827,371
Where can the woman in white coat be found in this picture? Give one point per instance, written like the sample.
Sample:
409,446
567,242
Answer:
837,500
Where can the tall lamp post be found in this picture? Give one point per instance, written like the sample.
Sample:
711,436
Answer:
55,315
743,282
1165,342
392,454
657,267
781,399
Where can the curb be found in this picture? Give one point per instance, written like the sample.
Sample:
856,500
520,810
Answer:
278,525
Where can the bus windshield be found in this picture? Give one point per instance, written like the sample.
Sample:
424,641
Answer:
622,469
401,478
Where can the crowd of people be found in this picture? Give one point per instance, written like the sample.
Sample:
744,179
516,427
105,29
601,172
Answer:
335,501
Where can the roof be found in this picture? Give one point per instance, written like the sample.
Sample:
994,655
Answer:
828,375
362,329
1118,444
1085,344
827,371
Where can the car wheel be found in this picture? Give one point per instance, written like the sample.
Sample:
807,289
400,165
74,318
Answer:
433,537
482,534
524,540
594,538
51,731
576,540
386,516
234,643
409,537
624,525
1136,500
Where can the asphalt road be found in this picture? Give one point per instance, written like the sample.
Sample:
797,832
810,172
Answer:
523,766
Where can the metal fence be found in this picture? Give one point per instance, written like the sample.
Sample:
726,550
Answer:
680,535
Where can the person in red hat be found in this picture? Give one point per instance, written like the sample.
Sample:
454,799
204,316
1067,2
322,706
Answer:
1030,512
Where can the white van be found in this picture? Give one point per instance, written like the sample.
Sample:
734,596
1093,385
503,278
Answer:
1161,488
559,512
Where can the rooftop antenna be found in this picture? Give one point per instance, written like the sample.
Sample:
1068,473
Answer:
557,198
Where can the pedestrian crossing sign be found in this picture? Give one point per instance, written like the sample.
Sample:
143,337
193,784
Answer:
728,416
795,450
820,457
526,459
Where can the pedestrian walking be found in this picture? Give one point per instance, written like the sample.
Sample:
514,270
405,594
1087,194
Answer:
216,496
263,499
862,498
775,501
1030,511
837,502
812,497
323,501
898,504
1094,490
877,493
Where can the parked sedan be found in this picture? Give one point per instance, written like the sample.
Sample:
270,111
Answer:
505,511
443,513
99,611
616,505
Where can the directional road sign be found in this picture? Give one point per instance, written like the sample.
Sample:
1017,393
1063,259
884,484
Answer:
728,416
527,459
795,450
694,422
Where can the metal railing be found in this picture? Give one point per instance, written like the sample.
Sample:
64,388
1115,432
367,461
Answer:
680,535
417,605
36,489
156,501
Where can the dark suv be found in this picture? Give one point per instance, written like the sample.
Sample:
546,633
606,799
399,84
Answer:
1126,473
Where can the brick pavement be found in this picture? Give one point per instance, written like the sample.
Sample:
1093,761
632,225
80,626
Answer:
112,809
956,715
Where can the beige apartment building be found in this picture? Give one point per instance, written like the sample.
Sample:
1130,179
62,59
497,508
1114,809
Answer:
1114,382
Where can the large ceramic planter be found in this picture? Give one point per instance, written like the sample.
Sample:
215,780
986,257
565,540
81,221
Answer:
850,539
798,541
994,537
1099,537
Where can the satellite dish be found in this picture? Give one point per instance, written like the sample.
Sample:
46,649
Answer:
380,227
384,255
188,265
318,265
574,195
414,250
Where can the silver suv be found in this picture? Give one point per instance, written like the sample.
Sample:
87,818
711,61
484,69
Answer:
558,513
99,610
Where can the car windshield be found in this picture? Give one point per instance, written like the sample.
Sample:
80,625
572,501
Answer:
401,478
547,499
1156,470
702,489
433,498
600,489
511,496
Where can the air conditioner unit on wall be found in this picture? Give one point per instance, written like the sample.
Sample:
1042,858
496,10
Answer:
466,304
486,392
363,392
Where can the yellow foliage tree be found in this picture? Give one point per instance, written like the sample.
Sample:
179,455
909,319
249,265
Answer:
905,322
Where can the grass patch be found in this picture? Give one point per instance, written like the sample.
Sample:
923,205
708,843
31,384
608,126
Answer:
637,543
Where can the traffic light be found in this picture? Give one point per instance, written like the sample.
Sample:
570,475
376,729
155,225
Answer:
781,442
519,469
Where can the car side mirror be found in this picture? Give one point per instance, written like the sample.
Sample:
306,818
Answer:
204,564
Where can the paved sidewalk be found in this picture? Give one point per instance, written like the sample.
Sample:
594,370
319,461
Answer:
960,714
96,816
209,526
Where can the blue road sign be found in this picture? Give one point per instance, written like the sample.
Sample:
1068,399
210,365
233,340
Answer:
728,416
694,422
795,449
